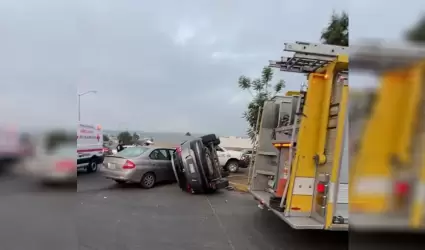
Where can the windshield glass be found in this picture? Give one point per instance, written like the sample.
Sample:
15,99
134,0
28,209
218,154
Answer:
132,152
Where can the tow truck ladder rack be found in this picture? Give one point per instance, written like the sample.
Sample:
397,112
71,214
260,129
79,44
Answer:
308,57
386,58
383,57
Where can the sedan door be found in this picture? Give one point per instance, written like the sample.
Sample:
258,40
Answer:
161,163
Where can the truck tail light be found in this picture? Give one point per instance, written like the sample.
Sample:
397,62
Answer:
321,188
401,188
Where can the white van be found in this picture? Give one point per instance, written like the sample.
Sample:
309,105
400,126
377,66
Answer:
89,147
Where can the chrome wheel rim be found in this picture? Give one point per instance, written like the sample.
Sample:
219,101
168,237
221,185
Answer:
149,180
233,167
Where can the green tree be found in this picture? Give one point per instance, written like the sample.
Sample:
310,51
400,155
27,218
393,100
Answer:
135,137
261,90
105,138
125,137
336,33
417,32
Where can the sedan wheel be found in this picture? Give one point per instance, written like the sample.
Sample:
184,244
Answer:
148,180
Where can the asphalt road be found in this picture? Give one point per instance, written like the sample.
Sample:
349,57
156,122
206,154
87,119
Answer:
99,215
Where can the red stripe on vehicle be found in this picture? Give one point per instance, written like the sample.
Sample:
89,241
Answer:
89,150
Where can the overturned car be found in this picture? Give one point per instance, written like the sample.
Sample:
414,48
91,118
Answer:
196,165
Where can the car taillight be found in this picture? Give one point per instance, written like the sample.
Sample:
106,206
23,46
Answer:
129,165
179,151
66,165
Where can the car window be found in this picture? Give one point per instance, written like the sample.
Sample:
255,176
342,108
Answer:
132,152
173,153
160,154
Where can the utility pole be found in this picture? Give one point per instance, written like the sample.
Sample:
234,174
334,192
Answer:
79,101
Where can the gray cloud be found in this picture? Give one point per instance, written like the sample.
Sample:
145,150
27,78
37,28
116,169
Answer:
157,65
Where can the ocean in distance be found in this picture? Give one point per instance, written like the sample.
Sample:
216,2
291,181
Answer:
159,137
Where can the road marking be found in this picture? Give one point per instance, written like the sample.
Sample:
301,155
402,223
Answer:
220,223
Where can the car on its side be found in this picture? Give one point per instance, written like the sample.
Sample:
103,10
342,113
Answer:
145,165
196,165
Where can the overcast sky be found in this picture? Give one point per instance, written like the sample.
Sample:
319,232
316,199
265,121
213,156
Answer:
160,65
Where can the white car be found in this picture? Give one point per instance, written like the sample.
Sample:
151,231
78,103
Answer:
230,159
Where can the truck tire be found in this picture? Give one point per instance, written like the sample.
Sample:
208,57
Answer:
232,166
210,138
92,166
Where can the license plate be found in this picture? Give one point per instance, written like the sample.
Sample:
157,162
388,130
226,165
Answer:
111,166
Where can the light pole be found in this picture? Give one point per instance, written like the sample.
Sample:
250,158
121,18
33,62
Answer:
79,101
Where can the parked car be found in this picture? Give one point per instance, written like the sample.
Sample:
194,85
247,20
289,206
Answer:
140,164
55,164
196,165
229,159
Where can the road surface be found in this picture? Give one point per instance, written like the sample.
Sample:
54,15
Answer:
99,215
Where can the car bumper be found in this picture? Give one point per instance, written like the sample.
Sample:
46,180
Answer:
244,163
128,176
221,183
58,177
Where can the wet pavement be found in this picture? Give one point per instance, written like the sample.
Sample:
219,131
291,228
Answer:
98,214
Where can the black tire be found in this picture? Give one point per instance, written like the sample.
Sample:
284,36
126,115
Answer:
92,166
148,180
206,139
232,166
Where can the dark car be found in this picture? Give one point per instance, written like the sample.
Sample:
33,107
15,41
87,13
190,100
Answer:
196,166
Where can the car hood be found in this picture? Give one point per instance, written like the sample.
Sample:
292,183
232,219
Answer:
234,153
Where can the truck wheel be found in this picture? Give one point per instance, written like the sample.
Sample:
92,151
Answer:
92,167
232,166
211,138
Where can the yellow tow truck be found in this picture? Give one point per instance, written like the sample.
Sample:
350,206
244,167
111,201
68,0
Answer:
387,176
301,166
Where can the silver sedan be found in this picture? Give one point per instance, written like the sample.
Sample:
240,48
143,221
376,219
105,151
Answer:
146,165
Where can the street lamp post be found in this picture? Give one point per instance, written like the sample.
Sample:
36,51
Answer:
79,101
